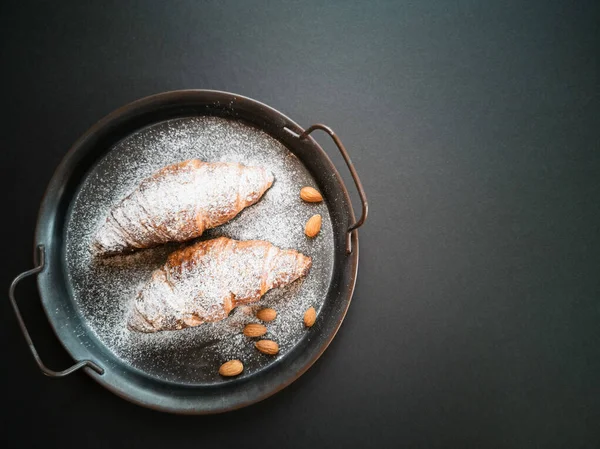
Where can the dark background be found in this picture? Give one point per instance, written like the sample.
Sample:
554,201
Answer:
475,128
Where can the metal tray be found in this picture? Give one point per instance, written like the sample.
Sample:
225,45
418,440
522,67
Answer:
141,380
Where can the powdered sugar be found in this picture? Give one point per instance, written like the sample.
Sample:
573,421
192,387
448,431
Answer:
205,281
179,202
103,290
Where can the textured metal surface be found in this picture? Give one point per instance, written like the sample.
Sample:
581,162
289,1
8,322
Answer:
71,327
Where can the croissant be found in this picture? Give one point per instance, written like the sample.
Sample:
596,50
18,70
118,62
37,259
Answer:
178,203
205,281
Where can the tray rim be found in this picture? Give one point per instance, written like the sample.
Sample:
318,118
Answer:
55,183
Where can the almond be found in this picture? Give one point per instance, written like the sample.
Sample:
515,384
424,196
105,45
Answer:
254,330
267,347
231,368
266,314
309,317
310,195
313,226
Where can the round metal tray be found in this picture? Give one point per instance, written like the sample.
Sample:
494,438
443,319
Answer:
137,383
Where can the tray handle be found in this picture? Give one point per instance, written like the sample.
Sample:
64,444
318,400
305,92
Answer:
40,264
359,187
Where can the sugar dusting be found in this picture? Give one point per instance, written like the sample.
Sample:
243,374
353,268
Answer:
203,282
179,202
103,290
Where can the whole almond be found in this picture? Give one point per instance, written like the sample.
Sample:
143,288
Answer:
231,368
309,317
266,314
267,347
313,226
310,195
254,330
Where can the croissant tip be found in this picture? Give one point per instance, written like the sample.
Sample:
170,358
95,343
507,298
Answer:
270,177
97,250
308,261
137,323
306,264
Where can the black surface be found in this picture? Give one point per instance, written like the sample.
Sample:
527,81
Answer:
475,129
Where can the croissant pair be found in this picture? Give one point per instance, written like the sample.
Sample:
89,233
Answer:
205,281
